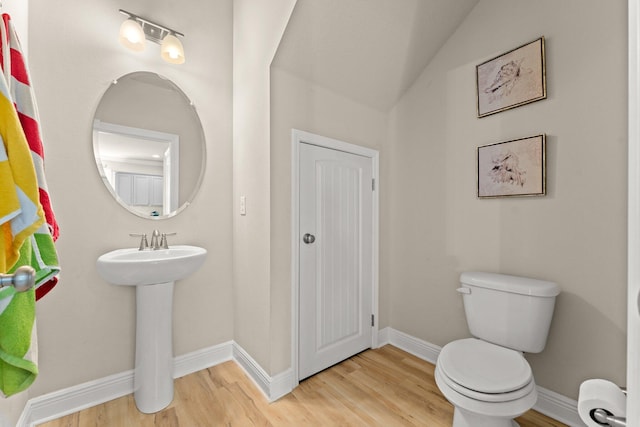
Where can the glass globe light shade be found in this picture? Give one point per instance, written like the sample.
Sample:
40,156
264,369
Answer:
172,50
132,35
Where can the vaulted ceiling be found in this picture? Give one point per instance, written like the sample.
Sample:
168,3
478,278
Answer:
368,50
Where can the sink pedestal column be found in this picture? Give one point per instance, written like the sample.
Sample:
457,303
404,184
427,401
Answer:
153,375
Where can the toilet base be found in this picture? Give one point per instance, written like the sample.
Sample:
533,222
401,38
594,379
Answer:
462,418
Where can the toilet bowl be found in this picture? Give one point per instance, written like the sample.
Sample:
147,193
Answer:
486,378
488,385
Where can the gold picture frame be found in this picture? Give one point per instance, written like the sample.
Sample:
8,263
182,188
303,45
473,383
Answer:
512,168
513,79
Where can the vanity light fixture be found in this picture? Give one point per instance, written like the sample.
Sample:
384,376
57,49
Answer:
136,29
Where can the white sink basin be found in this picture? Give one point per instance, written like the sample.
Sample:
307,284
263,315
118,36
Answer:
134,267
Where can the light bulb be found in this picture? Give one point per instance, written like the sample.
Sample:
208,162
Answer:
132,35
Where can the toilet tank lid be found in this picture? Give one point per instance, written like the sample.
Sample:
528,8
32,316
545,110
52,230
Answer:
506,283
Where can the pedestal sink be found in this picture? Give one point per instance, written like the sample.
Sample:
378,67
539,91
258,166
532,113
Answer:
153,273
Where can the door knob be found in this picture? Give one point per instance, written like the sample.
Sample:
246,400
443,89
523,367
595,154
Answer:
309,238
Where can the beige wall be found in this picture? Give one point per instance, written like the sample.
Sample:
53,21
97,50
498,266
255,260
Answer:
86,326
257,29
576,235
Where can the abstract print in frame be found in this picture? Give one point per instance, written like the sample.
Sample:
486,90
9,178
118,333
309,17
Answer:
512,168
512,79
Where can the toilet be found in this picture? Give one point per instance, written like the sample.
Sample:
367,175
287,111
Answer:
486,378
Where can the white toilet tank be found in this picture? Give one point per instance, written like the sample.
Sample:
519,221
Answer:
511,311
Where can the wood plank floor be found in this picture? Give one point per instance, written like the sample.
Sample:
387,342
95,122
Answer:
382,387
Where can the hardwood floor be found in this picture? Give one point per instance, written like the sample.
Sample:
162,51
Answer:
382,387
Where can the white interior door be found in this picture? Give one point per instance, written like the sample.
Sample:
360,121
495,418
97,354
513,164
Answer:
336,257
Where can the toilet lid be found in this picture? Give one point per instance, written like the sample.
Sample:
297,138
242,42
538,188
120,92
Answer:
483,367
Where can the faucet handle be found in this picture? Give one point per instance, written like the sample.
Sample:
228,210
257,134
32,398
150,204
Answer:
164,244
143,241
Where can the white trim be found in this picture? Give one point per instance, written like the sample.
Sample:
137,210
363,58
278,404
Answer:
280,385
413,345
73,399
295,253
558,407
272,387
633,231
202,359
549,403
298,137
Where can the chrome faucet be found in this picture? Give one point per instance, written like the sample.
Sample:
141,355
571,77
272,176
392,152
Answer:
155,240
158,241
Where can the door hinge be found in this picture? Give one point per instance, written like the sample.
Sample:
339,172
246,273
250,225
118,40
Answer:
373,185
373,320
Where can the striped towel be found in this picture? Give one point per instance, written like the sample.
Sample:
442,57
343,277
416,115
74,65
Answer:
19,208
21,215
41,253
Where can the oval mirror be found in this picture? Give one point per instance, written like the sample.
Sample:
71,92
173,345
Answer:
149,145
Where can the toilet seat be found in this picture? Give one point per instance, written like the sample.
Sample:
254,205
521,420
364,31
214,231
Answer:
484,371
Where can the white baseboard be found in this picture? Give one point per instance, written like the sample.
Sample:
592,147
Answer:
549,403
202,359
73,399
82,396
67,401
558,407
272,387
413,345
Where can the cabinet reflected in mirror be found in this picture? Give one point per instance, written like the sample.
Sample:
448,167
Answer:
149,145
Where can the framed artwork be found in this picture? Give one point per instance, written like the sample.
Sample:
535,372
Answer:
512,168
512,79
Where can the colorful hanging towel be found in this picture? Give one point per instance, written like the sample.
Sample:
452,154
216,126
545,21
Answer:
40,254
21,215
18,344
43,257
20,200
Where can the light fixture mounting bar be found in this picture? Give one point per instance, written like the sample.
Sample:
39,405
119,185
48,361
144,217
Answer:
152,30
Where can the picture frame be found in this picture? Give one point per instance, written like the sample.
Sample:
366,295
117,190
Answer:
512,79
512,168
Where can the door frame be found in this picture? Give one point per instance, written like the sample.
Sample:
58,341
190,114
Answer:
633,265
301,137
170,160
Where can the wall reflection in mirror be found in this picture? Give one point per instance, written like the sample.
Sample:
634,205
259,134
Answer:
149,145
